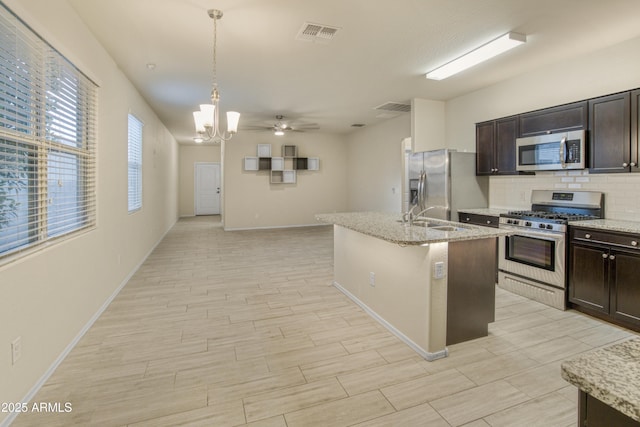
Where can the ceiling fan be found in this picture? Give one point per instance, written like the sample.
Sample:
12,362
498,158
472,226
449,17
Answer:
282,126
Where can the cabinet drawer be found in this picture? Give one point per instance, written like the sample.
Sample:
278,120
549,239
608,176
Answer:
626,240
476,219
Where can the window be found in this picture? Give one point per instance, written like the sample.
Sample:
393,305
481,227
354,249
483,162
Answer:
135,164
47,141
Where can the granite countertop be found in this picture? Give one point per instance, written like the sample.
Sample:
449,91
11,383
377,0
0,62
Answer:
387,226
609,225
610,374
485,211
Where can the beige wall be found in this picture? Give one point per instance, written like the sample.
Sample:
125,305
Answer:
607,71
374,156
189,156
405,295
47,298
610,70
251,201
375,165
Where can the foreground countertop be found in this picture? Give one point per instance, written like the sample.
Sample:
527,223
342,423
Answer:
387,226
609,225
610,374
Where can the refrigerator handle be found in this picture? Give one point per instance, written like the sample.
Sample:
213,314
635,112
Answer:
425,190
421,190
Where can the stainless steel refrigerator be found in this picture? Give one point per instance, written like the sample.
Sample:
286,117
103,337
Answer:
444,181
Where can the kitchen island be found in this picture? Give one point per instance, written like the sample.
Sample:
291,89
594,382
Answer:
432,283
607,380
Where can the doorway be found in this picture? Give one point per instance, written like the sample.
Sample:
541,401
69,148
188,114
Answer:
207,189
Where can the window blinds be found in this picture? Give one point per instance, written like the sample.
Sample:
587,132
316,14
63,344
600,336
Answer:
47,141
135,164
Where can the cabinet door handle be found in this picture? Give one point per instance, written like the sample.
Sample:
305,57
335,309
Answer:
605,256
489,222
587,236
632,164
634,243
612,257
625,164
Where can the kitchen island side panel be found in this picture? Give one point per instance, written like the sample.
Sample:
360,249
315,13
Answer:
402,290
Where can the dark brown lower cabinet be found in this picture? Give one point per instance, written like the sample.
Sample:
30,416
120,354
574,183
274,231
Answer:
594,413
604,268
471,289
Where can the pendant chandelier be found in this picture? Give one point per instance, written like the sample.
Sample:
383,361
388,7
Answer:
207,118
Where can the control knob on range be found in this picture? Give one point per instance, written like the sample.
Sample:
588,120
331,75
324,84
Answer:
527,224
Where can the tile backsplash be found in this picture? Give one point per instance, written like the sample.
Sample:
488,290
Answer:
621,200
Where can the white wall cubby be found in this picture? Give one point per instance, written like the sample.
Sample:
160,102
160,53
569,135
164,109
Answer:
283,170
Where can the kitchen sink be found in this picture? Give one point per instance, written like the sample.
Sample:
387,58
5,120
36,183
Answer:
435,225
446,228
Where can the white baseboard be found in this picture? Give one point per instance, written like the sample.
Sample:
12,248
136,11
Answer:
269,227
422,352
43,379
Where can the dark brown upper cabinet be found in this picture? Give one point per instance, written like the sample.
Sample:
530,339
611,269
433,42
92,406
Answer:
610,133
496,147
555,119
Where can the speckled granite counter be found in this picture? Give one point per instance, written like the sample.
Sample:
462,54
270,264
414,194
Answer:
609,225
611,375
387,226
485,211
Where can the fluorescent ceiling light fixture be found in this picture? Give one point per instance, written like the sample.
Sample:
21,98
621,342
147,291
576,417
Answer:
481,54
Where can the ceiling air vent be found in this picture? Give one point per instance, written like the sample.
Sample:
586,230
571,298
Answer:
394,106
316,32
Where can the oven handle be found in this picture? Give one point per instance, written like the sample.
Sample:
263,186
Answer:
555,237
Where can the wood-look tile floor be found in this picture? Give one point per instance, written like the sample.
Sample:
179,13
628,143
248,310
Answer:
244,328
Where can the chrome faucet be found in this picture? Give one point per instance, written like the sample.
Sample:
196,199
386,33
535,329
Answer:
409,216
424,210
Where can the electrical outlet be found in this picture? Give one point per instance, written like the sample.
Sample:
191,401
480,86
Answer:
372,279
16,350
438,270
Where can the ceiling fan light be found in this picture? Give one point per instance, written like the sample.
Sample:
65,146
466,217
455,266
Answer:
233,117
279,132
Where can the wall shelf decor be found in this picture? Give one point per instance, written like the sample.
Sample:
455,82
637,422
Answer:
284,169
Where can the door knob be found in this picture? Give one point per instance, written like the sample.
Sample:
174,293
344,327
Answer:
612,257
605,256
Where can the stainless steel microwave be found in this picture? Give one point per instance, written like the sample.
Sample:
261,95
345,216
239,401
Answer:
554,151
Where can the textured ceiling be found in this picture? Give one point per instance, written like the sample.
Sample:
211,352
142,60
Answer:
380,54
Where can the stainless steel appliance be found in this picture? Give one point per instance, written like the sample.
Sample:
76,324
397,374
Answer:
443,181
555,151
532,261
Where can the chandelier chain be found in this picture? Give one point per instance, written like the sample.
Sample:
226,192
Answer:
214,82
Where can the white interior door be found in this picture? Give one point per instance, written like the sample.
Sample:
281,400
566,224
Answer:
207,189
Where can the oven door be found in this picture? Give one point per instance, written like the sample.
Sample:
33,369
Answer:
535,255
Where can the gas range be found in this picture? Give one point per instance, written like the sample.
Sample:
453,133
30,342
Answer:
532,260
542,220
552,210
